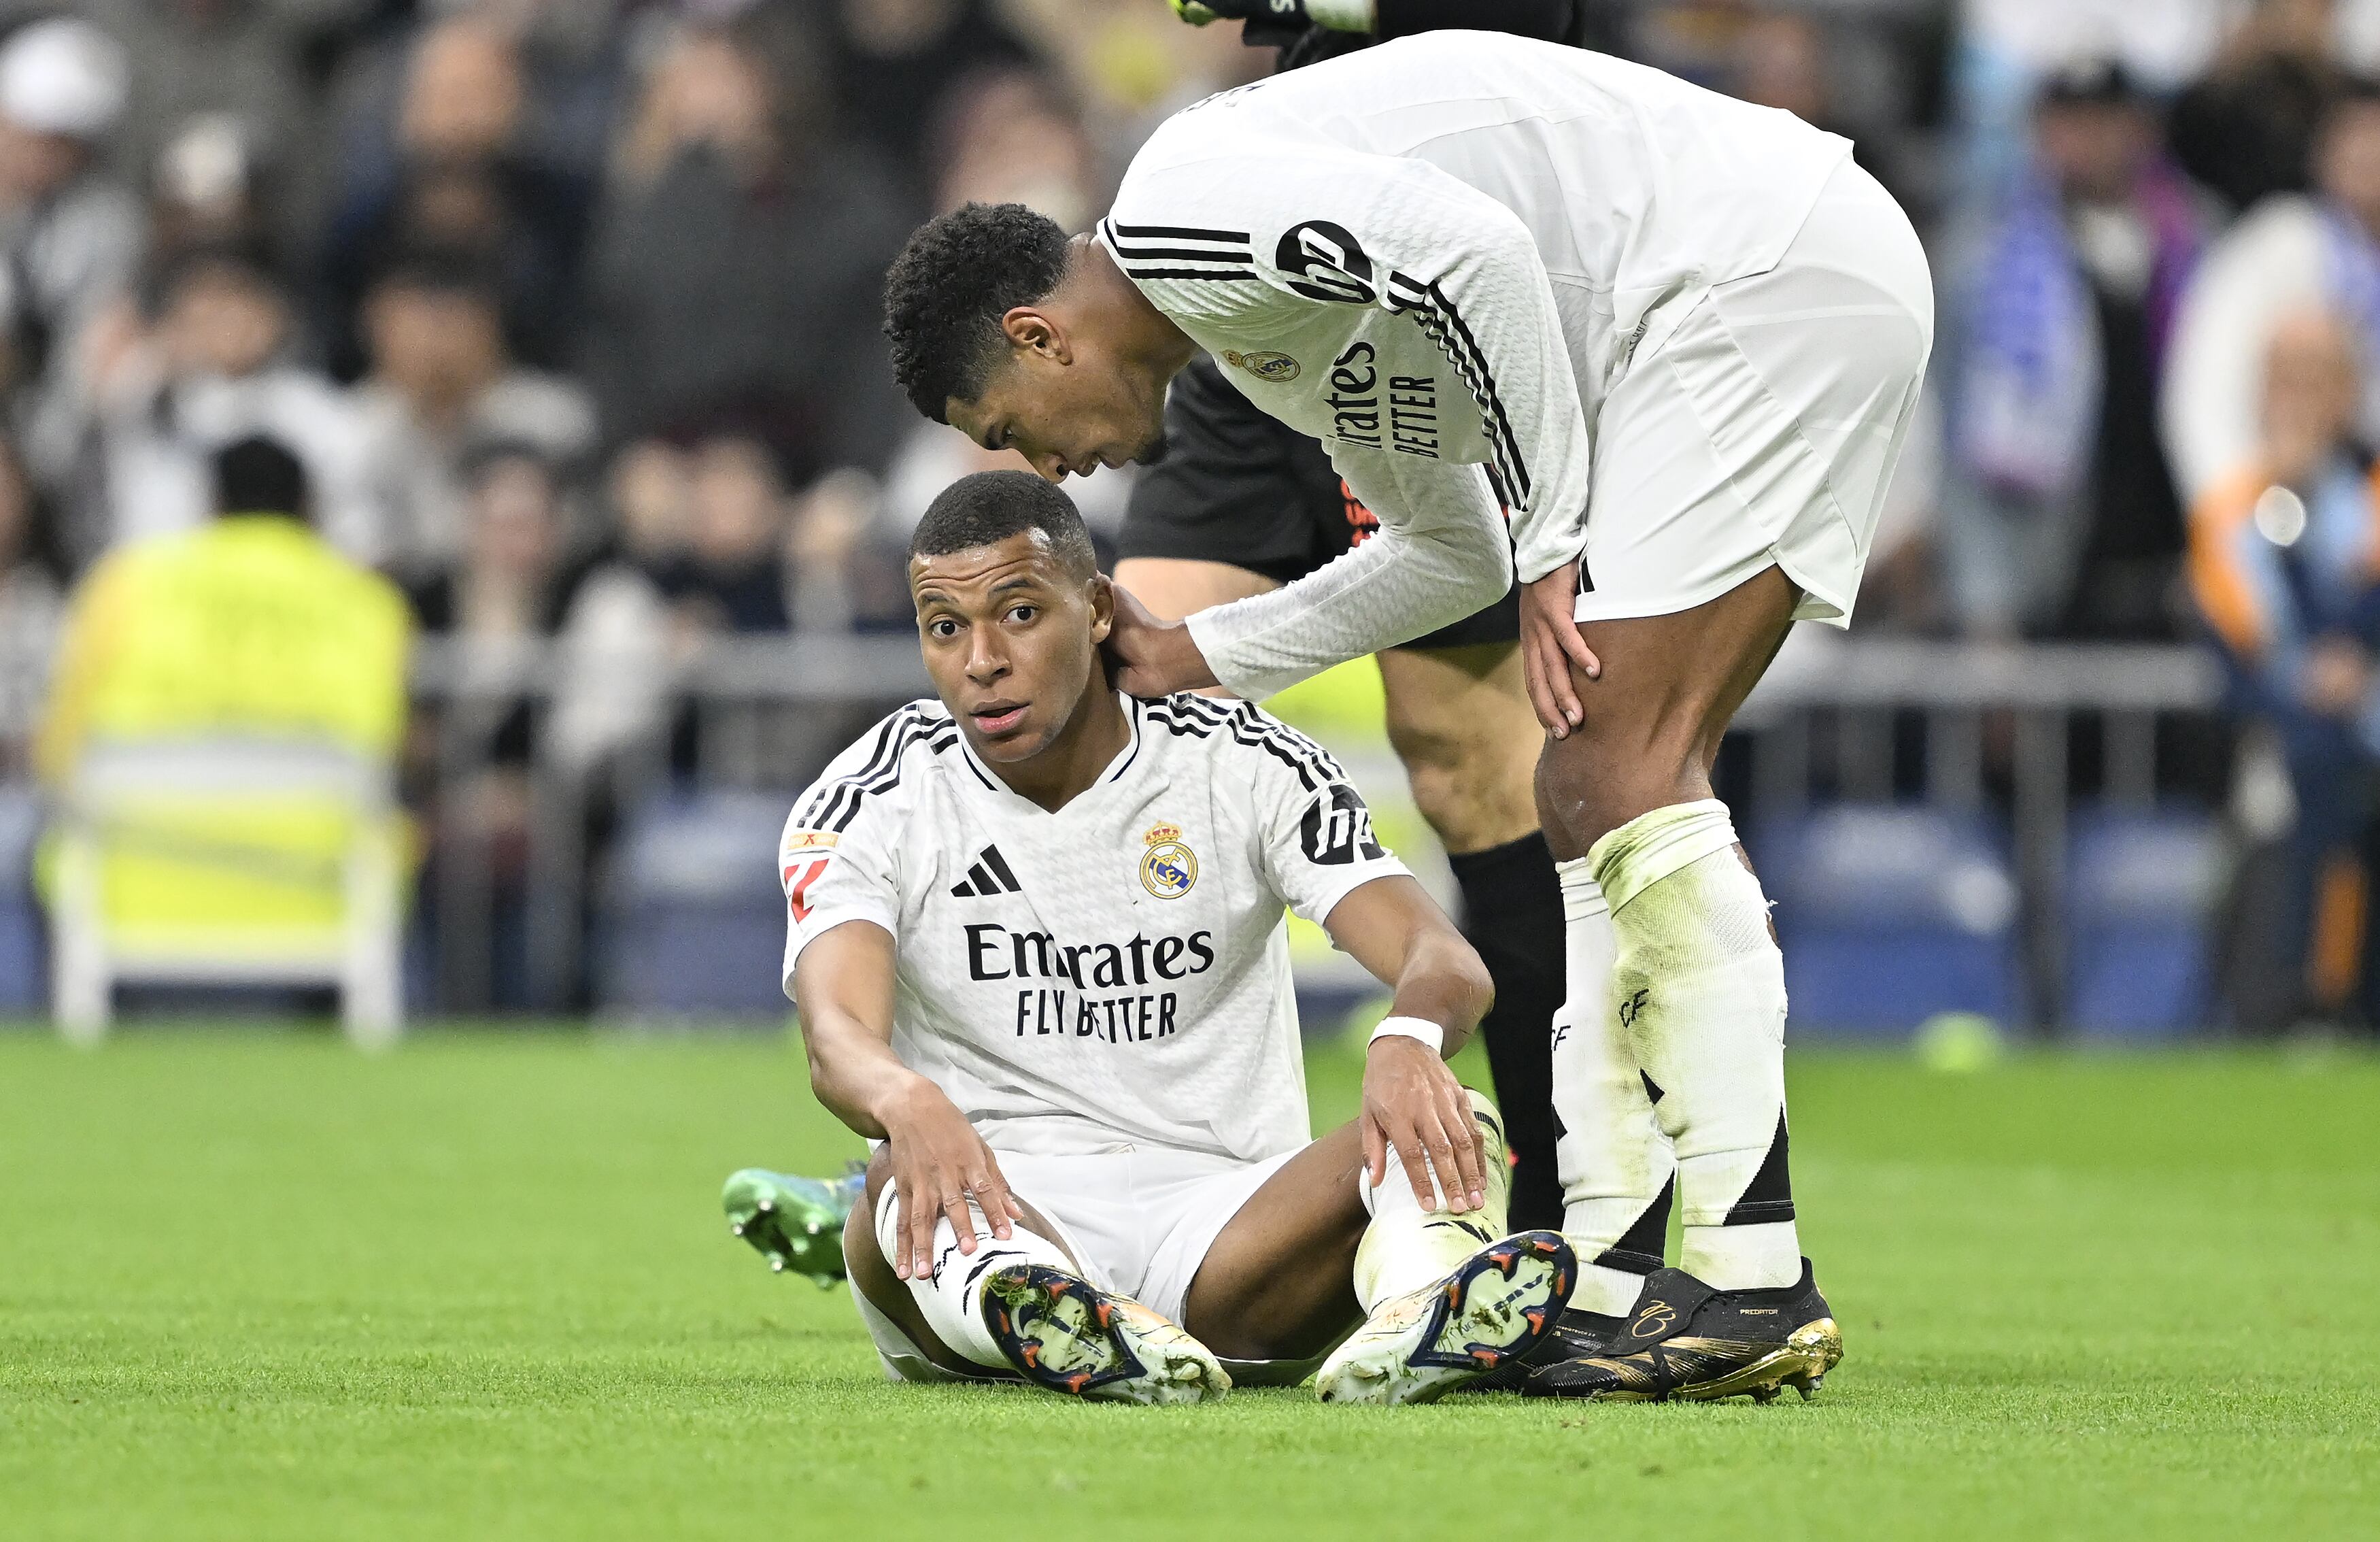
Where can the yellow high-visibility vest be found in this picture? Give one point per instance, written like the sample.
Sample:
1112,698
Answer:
250,624
254,627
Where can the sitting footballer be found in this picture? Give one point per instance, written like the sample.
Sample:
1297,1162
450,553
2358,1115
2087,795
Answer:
1037,946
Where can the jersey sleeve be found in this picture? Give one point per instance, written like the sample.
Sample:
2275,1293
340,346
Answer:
1411,577
1384,246
1316,831
1377,255
839,858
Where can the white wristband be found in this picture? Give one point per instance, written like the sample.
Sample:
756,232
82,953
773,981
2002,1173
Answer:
1429,1033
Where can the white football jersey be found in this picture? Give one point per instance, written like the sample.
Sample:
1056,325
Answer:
1112,974
1440,253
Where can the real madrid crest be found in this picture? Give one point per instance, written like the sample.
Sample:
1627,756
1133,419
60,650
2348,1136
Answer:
1169,867
1277,368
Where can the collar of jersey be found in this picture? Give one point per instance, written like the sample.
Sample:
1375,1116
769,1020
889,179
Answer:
1127,758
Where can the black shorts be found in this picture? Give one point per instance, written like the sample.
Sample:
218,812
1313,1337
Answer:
1240,486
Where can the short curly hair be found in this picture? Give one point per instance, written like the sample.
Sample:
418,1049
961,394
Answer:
945,294
990,506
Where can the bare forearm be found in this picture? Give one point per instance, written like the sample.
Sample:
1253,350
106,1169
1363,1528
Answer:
1393,928
855,1076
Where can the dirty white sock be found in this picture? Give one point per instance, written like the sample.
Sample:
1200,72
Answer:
1698,987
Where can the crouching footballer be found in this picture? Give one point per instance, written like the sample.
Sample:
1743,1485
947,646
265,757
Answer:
1038,945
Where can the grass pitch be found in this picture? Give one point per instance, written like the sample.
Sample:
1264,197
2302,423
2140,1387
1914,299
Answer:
259,1287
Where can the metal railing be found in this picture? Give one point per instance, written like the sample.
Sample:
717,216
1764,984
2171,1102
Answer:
1959,725
1993,723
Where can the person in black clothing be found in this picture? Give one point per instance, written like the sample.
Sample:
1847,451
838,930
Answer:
2247,127
2062,514
1242,504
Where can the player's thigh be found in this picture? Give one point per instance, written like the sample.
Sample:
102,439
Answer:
1176,587
1654,717
1461,722
1277,1281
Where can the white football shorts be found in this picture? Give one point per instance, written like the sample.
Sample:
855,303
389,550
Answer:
1138,1219
1762,429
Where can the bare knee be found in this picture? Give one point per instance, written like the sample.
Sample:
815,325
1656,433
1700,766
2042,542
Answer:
1606,774
1474,794
1468,740
879,1173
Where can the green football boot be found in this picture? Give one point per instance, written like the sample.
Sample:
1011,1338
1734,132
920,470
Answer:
795,1223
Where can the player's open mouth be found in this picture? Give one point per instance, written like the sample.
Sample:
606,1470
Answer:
997,717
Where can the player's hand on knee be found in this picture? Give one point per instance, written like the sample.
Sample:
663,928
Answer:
1414,1105
1551,645
1154,658
940,1163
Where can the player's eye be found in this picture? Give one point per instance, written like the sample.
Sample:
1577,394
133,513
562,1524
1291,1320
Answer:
1022,613
943,626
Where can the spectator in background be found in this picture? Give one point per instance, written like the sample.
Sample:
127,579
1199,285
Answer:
249,624
2293,253
570,54
458,177
228,75
733,578
214,364
29,610
2247,128
71,238
622,636
1009,137
894,62
2285,566
647,497
508,586
509,581
1127,65
210,186
737,266
1781,59
2061,513
442,381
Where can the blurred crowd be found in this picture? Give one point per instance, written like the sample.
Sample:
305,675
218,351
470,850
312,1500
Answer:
568,307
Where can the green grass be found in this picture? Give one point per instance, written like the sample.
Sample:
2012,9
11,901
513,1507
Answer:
259,1287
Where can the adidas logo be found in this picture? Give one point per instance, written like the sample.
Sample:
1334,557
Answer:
989,876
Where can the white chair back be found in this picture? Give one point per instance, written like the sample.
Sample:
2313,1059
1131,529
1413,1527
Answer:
111,803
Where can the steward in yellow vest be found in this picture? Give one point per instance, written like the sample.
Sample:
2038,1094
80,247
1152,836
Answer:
252,628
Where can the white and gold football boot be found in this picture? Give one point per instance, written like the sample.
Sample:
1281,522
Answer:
1493,1308
1063,1332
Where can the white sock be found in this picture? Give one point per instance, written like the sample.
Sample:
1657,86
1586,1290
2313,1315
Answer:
1408,1246
1616,1164
1699,989
951,1299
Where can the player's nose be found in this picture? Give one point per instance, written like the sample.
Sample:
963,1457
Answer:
1049,466
986,661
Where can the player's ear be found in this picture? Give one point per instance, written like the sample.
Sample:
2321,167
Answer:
1102,592
1030,331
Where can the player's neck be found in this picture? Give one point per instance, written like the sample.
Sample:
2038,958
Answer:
1071,764
1144,335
